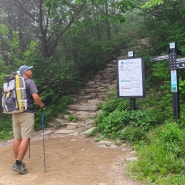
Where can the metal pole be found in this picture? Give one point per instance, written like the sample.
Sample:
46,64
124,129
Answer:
29,149
132,100
174,81
43,139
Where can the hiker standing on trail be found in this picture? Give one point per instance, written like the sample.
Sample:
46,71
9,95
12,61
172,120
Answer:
23,123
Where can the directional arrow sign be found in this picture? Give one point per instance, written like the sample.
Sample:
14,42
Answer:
159,58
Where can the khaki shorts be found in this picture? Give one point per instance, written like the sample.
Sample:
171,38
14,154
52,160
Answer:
23,125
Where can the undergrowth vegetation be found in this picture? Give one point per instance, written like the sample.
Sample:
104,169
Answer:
5,127
161,160
117,121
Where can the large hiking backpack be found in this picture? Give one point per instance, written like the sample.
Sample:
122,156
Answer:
14,98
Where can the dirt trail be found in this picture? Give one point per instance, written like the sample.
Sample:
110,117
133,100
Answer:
70,160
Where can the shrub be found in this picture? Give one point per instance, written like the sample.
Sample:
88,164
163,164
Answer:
133,135
142,119
115,121
115,116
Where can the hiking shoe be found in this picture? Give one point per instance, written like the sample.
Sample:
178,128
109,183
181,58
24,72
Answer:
20,168
23,164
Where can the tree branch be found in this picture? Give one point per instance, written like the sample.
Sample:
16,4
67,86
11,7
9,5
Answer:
66,28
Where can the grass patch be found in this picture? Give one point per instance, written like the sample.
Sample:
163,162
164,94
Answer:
162,160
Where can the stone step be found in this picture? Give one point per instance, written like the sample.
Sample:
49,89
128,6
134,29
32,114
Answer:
110,76
101,96
86,107
94,101
84,98
84,115
89,90
103,83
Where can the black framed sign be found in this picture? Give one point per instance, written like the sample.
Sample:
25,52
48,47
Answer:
130,78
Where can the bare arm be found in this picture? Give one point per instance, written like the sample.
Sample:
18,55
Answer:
37,99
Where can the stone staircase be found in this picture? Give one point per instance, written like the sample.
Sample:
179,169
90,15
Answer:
81,114
95,92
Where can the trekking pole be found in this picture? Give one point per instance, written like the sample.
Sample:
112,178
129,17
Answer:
43,139
29,149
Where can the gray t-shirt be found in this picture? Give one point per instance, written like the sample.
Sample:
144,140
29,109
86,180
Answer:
30,89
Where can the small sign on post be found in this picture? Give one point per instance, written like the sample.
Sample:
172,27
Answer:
131,54
172,56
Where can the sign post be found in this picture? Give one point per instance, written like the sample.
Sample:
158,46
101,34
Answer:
132,100
130,78
174,65
174,80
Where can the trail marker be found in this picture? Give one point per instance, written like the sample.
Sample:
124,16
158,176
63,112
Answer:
174,65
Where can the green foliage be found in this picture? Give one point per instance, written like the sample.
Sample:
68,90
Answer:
57,80
109,124
173,139
114,103
91,54
72,118
115,116
163,156
154,161
164,24
182,88
2,76
112,123
179,35
132,134
159,76
12,54
52,111
176,179
152,3
5,127
160,71
142,119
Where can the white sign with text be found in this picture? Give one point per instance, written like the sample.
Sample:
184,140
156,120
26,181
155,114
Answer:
130,77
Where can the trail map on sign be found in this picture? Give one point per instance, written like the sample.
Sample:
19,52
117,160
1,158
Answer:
130,77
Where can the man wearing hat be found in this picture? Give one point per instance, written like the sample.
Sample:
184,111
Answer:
23,123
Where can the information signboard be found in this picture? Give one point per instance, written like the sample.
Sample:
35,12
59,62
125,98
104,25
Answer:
130,78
